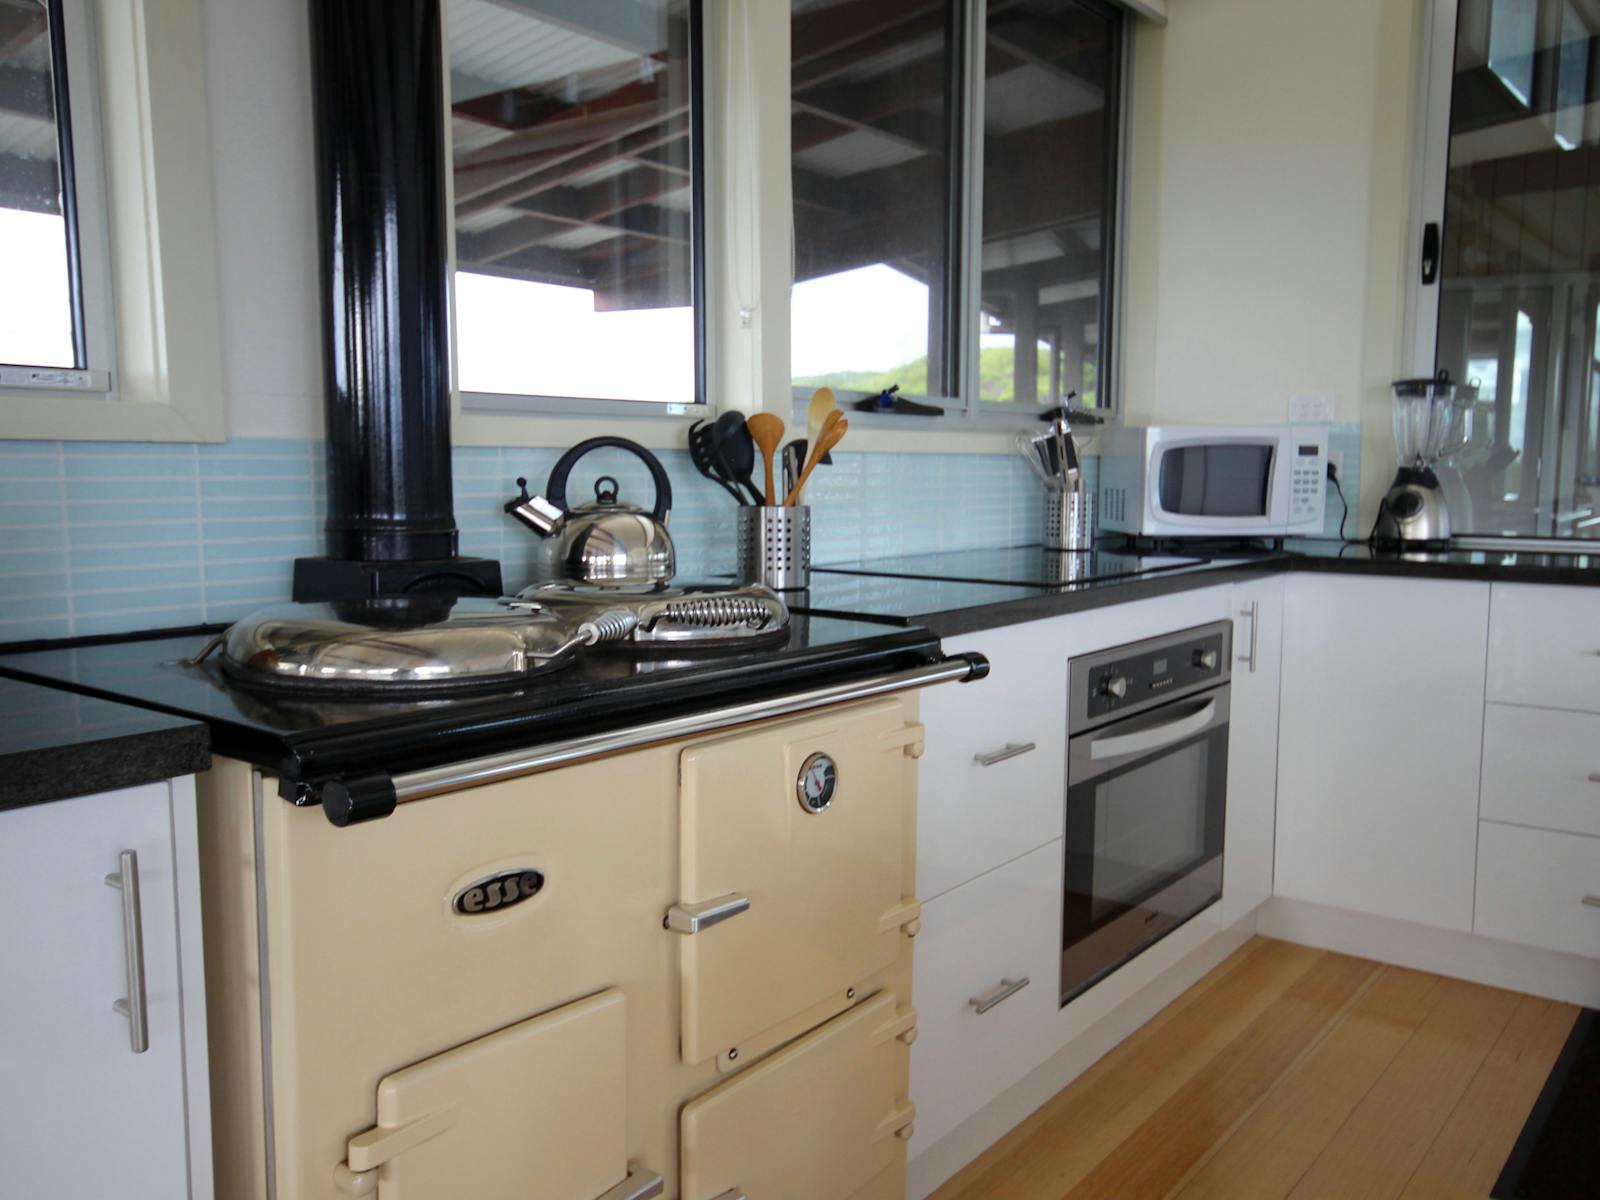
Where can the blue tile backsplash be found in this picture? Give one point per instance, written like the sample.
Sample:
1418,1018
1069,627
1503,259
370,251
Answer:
109,537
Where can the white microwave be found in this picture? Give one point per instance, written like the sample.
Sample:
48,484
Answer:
1212,481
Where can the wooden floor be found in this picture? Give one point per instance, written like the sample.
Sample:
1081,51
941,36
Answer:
1292,1073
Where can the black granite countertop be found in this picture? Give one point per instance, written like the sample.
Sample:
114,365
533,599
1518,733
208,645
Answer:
857,617
967,591
54,745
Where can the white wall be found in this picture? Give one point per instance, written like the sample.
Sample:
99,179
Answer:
1269,184
258,86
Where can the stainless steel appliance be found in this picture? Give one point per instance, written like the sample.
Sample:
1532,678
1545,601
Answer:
604,540
1208,481
1430,426
1147,769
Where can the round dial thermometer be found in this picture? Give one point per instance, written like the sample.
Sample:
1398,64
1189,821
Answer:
818,782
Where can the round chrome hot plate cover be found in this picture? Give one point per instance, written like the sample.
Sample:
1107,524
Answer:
414,644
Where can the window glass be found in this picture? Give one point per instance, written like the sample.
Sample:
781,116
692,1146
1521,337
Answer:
576,200
38,319
874,192
1049,118
1519,301
897,281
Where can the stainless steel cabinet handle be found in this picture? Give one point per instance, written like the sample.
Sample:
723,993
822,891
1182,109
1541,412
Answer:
132,1006
1009,750
641,1184
1254,613
692,918
1002,991
1592,901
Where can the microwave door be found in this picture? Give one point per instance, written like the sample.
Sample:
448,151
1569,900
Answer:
1215,485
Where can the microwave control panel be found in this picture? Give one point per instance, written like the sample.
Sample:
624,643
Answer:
1306,473
1137,676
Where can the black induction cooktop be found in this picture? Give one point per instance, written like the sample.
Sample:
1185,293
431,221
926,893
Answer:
605,689
1017,566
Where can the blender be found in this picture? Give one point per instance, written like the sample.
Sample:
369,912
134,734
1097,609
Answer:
1429,426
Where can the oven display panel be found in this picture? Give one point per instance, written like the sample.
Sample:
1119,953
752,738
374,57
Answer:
1140,678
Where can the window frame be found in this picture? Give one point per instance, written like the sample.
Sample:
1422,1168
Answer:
162,289
85,212
967,412
1437,37
471,405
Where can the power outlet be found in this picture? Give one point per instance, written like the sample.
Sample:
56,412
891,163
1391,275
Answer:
1336,461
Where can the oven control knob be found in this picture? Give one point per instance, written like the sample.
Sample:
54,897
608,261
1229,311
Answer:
1206,660
1114,686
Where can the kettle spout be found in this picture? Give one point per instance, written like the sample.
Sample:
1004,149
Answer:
537,513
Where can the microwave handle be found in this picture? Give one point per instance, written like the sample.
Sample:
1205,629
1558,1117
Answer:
1145,740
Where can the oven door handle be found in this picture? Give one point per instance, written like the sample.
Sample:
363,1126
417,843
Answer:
1145,740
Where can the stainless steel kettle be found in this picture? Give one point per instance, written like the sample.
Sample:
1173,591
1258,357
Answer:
605,540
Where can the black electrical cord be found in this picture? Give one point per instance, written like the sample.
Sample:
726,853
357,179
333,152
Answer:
1333,478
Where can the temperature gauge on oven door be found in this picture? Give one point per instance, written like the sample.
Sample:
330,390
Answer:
818,783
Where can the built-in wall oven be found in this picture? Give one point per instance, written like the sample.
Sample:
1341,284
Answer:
1147,770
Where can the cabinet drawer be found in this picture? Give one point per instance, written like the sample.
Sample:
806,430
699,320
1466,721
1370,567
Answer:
1539,888
1544,646
1003,926
1542,767
972,817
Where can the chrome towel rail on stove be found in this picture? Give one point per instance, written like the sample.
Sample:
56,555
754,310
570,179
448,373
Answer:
351,800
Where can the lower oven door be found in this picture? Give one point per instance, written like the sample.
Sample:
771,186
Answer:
1144,832
825,1118
535,1111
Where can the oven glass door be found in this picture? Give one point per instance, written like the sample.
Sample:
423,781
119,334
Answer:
1144,832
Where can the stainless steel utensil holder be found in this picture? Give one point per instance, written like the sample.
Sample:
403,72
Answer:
775,547
1069,520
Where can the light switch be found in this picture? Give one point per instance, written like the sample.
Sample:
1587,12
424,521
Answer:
1311,408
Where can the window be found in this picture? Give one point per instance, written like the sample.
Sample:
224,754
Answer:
953,168
54,327
1515,310
578,202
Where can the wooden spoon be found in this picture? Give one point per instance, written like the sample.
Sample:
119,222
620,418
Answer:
767,431
834,427
822,403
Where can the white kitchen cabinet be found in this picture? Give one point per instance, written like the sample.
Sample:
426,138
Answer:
991,784
1541,767
1544,646
1380,729
1539,888
85,1114
1252,746
979,942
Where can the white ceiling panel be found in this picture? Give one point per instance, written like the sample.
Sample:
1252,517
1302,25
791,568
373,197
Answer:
854,152
509,46
27,137
1030,95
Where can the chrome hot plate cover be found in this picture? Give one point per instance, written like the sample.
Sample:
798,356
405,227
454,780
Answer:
681,617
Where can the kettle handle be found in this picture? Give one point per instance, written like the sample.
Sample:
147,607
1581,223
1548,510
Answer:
556,490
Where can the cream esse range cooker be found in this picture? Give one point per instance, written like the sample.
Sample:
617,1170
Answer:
680,971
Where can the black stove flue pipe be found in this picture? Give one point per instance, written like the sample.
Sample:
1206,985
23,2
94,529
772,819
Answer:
377,75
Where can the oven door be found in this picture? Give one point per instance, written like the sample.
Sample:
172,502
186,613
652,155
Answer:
1144,830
